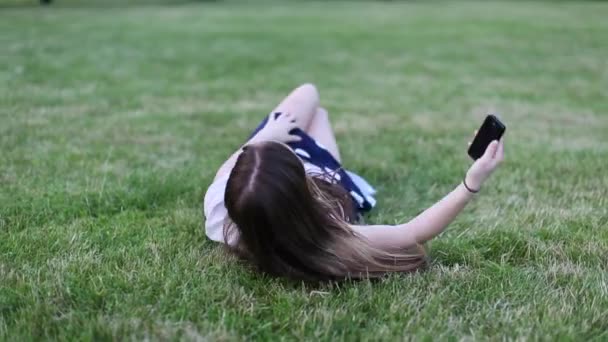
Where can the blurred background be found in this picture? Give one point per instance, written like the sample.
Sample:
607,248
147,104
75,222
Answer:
115,115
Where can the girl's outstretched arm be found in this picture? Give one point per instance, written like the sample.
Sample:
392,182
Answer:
435,219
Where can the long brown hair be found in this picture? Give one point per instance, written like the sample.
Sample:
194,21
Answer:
289,224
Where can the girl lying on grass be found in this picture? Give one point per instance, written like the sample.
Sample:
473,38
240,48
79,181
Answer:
284,203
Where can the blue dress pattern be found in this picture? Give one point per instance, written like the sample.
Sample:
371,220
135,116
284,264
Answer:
312,152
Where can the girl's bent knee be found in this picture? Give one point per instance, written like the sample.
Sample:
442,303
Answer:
310,90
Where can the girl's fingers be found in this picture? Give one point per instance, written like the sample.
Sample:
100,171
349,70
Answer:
500,152
275,115
289,117
293,138
490,151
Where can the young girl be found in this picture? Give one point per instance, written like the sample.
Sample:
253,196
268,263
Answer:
284,203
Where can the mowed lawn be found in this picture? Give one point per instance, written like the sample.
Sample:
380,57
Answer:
113,122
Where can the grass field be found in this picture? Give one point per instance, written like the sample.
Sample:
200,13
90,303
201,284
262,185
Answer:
114,120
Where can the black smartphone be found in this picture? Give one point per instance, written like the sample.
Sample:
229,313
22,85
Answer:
491,129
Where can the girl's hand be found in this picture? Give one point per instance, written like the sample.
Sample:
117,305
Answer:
278,128
483,167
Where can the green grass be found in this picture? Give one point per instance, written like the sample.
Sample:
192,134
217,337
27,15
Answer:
113,122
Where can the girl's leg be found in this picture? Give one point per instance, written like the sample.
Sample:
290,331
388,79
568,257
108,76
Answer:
320,130
302,103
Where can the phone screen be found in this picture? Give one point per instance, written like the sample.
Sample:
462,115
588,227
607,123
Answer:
491,129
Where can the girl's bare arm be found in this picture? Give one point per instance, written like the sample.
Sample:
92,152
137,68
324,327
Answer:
435,219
